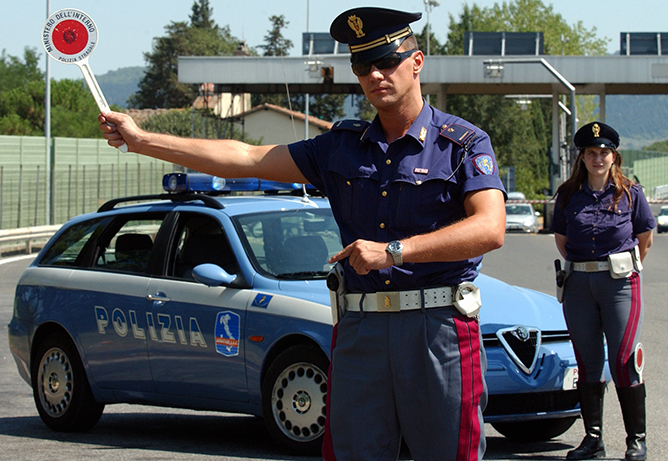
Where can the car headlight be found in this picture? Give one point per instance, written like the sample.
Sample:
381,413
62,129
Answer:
527,222
663,220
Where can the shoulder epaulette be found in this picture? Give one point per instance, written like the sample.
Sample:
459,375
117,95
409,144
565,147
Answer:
459,134
351,125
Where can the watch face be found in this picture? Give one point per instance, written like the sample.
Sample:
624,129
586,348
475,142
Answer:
395,246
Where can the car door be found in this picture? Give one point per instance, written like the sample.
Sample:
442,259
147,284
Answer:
111,307
196,344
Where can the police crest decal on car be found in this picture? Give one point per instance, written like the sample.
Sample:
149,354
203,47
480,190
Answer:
227,333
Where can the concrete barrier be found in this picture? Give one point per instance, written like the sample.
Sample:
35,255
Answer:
25,239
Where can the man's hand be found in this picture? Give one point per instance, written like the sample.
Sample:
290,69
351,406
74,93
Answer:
364,256
123,131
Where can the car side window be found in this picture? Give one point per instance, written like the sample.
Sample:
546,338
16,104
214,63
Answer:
68,249
129,249
200,239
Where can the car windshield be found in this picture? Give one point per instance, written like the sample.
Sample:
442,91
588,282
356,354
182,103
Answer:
293,244
664,212
518,209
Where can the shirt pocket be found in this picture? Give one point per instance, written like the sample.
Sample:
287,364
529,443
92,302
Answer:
615,226
356,189
425,204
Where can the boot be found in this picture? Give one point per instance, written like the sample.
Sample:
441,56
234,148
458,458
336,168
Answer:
632,400
591,406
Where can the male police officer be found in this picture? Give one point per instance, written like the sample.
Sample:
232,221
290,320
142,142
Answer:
418,200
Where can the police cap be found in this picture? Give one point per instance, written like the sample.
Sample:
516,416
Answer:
596,134
372,33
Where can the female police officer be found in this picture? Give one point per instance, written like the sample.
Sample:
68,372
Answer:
603,225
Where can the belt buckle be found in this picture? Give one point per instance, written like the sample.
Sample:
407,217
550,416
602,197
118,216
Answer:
388,301
591,266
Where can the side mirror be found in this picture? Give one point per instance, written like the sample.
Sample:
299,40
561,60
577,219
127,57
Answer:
212,275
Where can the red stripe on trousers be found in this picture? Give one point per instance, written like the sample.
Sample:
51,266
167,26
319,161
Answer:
625,348
472,387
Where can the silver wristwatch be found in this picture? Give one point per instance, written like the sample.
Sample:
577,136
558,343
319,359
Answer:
394,248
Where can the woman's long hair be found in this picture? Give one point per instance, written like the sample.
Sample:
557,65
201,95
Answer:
617,178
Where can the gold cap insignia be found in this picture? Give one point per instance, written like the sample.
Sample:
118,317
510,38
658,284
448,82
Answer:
596,130
356,24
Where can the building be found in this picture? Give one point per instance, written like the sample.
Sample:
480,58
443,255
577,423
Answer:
270,124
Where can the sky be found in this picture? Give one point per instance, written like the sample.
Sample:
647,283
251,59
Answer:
126,28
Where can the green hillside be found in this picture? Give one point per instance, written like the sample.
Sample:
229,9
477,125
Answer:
639,119
118,85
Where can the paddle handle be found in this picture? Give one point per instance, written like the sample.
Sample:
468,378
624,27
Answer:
95,89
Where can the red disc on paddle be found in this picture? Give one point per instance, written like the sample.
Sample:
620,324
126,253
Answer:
70,37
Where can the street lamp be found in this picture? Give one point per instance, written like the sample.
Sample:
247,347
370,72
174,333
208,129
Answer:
428,6
47,129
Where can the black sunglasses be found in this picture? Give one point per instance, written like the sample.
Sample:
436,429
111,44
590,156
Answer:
386,62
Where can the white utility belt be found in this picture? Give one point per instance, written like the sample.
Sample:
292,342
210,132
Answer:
620,265
394,301
591,266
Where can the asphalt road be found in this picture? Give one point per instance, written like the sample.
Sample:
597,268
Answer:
139,432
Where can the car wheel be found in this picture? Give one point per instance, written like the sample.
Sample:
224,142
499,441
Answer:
294,392
60,387
536,430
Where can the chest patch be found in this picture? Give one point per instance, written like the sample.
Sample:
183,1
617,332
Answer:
484,164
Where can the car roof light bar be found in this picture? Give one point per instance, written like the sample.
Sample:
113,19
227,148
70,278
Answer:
200,182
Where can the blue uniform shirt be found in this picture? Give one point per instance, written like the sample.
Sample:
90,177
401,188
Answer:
382,192
592,227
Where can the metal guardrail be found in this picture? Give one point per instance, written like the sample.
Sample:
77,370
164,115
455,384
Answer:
25,239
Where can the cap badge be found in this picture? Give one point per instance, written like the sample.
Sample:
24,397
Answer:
596,130
356,24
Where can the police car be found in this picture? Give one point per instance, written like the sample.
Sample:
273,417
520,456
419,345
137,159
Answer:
191,300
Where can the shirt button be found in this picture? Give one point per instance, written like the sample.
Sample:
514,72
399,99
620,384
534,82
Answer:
418,182
382,225
388,161
387,282
384,193
348,183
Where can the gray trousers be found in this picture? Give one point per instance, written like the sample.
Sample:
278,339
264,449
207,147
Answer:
413,374
595,305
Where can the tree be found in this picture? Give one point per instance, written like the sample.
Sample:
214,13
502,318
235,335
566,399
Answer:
22,98
275,43
21,94
73,110
202,37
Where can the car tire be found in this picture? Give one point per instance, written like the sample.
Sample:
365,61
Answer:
60,387
534,431
294,392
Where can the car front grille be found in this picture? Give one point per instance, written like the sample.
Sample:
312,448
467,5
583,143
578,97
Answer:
522,344
531,403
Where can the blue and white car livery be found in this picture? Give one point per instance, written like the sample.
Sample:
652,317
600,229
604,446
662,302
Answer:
219,303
